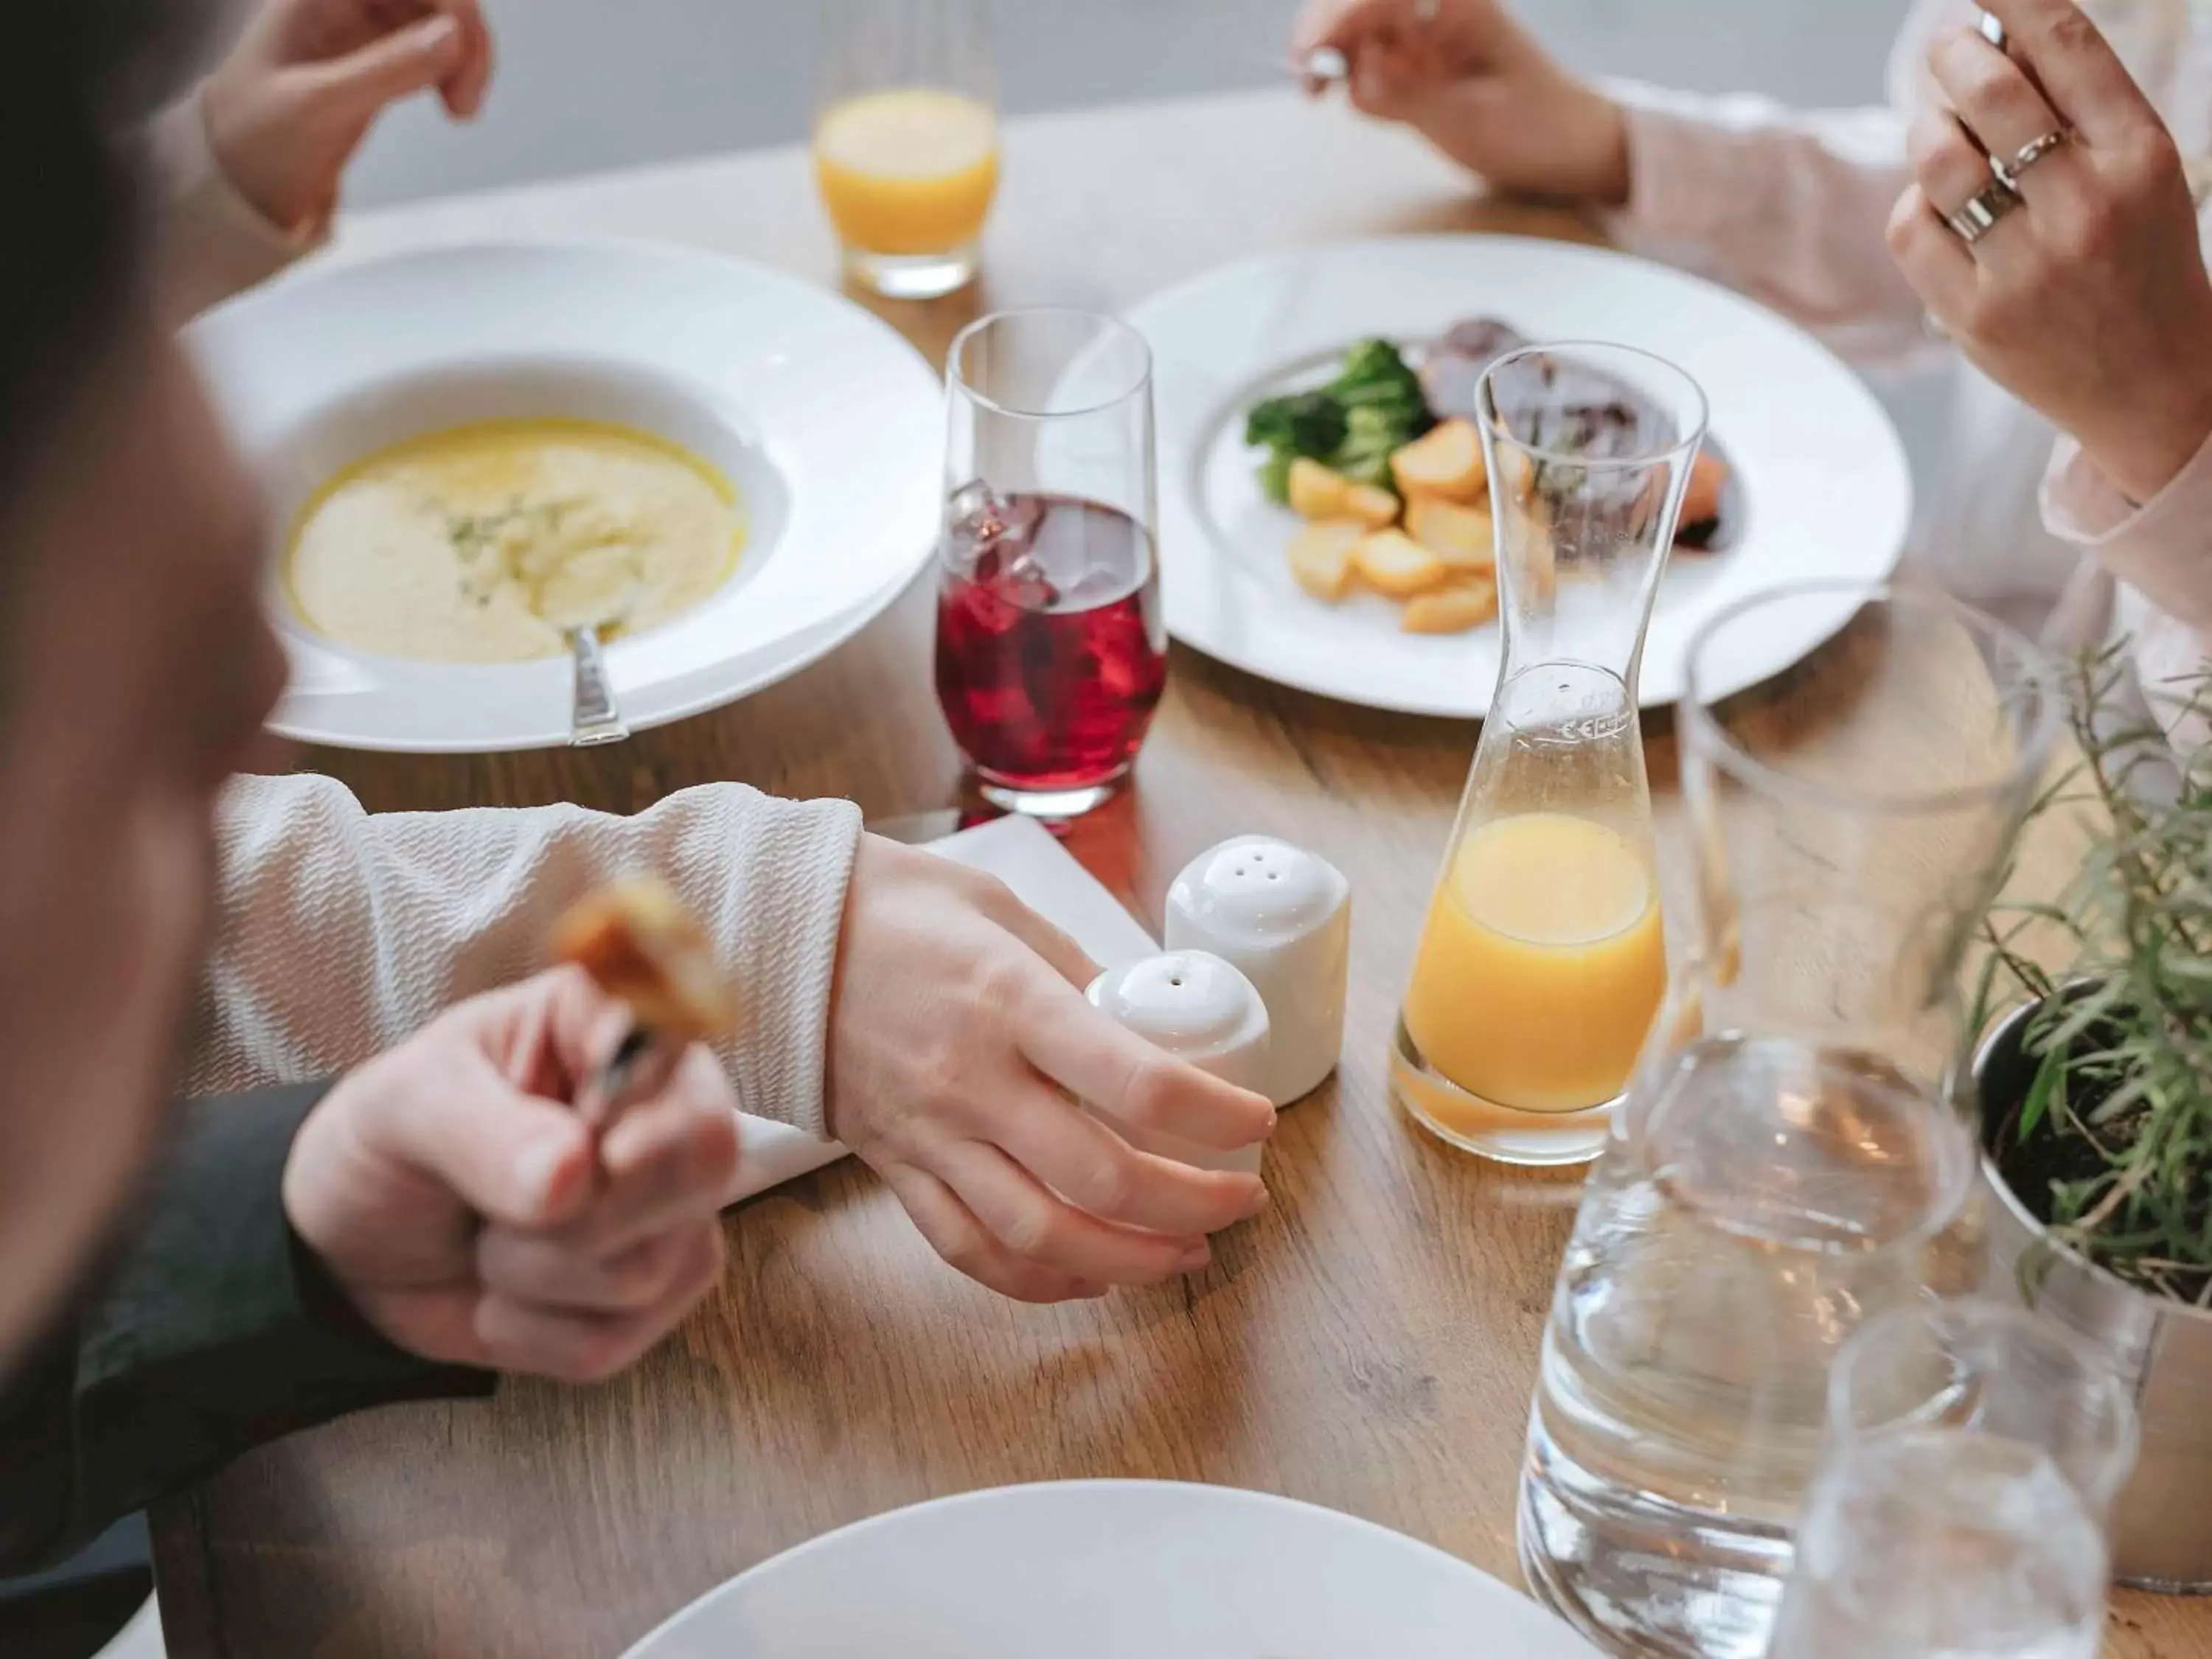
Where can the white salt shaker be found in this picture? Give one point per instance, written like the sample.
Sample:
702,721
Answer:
1201,1009
1283,916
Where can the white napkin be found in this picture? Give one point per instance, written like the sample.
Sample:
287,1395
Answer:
1045,878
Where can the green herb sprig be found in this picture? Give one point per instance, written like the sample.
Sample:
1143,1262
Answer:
2122,1040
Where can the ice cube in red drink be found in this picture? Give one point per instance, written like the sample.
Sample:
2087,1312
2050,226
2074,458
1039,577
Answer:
1051,652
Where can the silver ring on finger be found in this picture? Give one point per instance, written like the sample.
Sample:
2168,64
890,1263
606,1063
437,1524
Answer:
1978,214
2027,155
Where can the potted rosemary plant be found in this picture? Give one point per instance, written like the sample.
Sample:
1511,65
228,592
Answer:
2096,1102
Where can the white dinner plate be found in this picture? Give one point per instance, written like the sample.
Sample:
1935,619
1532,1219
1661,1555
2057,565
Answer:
1114,1570
831,425
1821,476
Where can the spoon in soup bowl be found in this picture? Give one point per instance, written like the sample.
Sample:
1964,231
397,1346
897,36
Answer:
586,599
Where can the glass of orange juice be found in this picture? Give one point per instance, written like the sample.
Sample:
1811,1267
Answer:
906,140
1544,957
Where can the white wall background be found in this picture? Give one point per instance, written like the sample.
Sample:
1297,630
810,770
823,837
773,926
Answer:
588,84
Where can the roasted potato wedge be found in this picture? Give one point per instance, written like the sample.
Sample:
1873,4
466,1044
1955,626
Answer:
1452,609
1373,506
1462,537
1446,463
1317,491
1391,561
1321,557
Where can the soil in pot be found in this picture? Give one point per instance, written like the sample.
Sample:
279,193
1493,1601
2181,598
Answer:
2031,1168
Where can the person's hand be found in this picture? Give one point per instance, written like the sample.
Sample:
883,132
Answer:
289,107
959,1044
1476,85
462,1207
2089,300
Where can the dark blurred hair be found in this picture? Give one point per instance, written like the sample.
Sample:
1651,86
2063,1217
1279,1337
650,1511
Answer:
73,265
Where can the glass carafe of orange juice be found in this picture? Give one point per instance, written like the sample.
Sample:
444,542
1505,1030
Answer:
906,140
1544,959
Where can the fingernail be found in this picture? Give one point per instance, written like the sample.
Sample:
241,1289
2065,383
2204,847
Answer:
1193,1257
1260,1200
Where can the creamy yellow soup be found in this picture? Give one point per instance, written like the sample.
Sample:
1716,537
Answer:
491,543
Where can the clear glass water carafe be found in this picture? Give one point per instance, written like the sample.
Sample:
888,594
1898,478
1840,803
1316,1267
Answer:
1543,959
1794,1155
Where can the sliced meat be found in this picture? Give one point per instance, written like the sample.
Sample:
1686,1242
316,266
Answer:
1455,363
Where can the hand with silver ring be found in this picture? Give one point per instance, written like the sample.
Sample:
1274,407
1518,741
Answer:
2068,268
2027,155
1978,216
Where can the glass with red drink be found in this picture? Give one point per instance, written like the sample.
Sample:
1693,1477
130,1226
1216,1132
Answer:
1051,650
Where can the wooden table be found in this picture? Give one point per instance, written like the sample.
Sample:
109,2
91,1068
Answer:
1369,1344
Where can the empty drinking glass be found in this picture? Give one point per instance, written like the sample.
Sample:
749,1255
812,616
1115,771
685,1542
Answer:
1793,1157
1973,1452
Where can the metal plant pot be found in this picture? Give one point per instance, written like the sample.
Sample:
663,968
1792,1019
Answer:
2162,1525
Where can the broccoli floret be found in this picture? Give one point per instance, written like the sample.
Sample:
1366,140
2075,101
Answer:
1384,411
1301,423
1369,363
1372,408
1370,436
1375,376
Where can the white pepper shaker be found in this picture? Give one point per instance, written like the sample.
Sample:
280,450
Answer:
1200,1009
1282,916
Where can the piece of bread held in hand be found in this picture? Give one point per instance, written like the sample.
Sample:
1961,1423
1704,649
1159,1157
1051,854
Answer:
642,947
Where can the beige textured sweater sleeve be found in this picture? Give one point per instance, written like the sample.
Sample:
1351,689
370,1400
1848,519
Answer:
342,931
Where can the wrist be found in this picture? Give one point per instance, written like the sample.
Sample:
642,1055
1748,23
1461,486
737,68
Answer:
313,1169
1569,140
233,139
323,1297
1541,132
2143,455
1601,176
